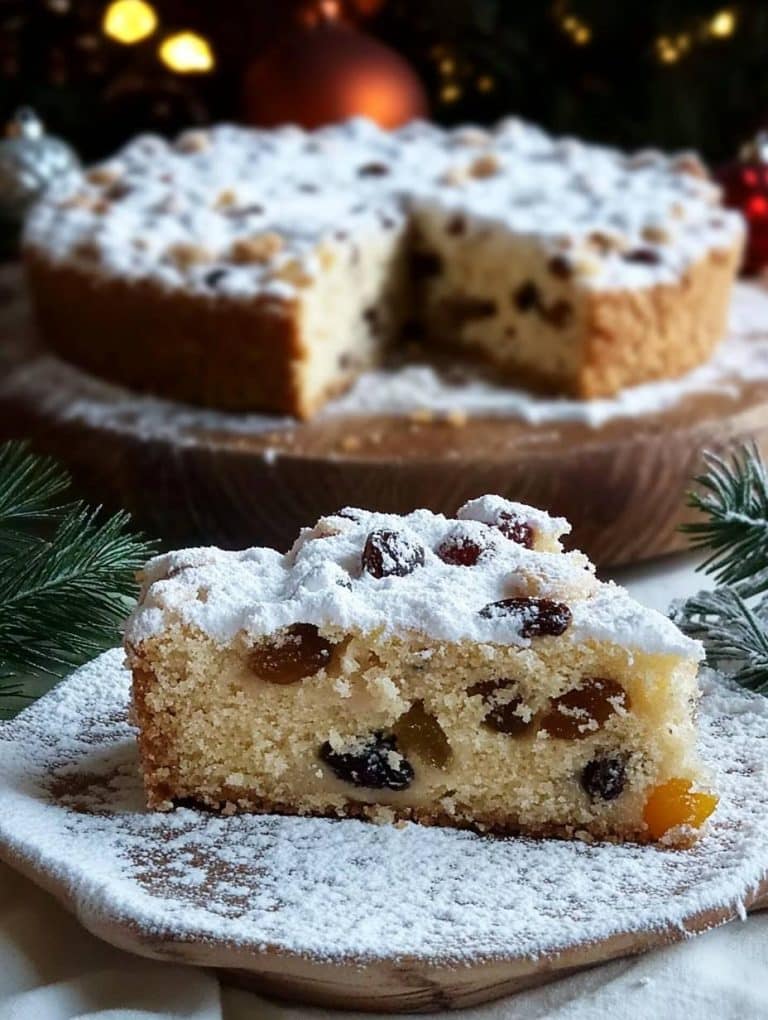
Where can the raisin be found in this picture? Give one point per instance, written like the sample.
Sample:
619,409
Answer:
213,278
425,264
298,652
643,256
460,551
372,318
604,778
373,170
536,617
391,554
502,716
514,528
559,314
420,733
456,225
526,297
560,267
376,764
582,711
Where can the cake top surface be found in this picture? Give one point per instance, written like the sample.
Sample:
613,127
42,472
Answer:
482,576
230,211
73,813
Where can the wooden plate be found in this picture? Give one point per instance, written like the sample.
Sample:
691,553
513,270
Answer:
195,477
355,915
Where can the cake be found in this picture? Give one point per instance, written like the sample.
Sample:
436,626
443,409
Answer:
464,672
266,270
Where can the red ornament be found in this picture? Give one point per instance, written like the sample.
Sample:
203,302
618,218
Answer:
745,187
329,71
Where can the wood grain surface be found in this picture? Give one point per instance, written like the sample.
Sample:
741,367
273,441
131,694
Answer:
622,485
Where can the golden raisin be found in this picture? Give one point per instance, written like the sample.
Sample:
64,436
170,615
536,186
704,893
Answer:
582,711
291,655
675,803
419,733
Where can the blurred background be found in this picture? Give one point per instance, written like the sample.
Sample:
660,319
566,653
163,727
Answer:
675,73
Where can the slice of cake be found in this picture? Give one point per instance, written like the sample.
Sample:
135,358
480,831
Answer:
266,269
462,672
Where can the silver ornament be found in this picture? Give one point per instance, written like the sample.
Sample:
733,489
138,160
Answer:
30,161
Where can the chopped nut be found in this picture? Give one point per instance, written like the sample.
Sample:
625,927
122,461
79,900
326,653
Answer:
225,199
605,242
586,266
656,235
326,256
294,272
351,443
193,141
186,255
259,248
485,166
453,176
102,175
422,415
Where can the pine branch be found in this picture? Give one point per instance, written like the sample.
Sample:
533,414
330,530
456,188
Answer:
734,498
63,593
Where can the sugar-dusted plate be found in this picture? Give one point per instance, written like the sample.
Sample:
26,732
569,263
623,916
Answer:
351,914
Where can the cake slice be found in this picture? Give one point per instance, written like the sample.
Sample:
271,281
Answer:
464,672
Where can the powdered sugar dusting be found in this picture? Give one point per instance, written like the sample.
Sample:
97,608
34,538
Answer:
71,809
322,581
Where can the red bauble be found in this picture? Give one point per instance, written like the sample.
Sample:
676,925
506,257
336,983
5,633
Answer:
325,73
745,187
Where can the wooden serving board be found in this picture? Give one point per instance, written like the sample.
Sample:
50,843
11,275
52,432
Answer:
355,915
193,477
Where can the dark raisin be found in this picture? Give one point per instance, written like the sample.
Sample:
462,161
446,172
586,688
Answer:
349,513
391,554
118,190
372,318
290,655
502,715
536,617
456,225
425,264
460,550
512,527
604,778
560,267
213,278
526,296
559,314
373,170
643,256
375,764
582,711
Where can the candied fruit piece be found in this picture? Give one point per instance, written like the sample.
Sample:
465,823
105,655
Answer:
514,528
536,617
582,711
503,715
420,733
290,655
374,763
604,778
676,803
391,554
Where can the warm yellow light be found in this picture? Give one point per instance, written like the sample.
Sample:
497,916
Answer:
450,92
187,53
485,83
447,65
669,49
578,30
129,21
723,23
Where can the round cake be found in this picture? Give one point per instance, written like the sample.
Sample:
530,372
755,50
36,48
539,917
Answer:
265,270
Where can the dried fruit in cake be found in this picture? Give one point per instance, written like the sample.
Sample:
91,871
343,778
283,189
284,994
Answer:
417,732
507,712
585,709
372,762
390,554
516,529
676,804
604,778
535,617
293,654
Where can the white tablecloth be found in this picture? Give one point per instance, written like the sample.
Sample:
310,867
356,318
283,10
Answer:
51,969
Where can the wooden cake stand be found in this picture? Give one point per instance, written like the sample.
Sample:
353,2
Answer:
356,915
193,477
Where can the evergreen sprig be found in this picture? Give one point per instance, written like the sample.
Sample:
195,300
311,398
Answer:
731,619
66,575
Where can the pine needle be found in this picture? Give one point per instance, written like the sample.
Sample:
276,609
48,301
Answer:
66,575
